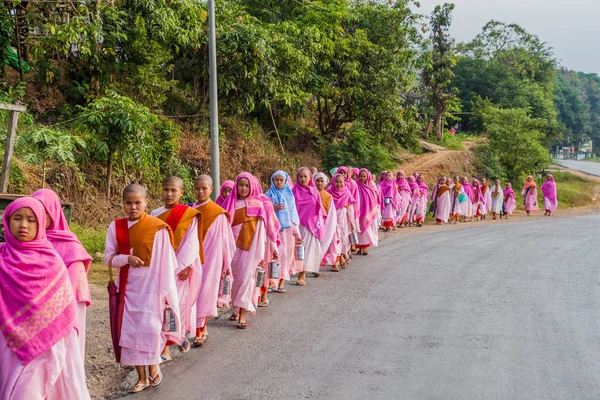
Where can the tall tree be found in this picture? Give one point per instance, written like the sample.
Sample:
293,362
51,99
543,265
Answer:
438,73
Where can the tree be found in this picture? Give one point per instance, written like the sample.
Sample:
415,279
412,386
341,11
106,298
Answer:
121,124
438,74
45,144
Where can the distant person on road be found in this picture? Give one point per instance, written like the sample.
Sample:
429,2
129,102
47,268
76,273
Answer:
487,196
254,236
405,197
226,189
467,209
40,354
72,252
141,247
219,247
478,201
529,194
284,205
312,222
369,212
344,206
458,199
390,200
497,198
510,203
550,198
443,202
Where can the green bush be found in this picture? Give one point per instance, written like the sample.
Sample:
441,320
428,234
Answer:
358,149
92,239
487,163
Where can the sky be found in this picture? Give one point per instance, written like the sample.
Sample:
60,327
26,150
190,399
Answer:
570,27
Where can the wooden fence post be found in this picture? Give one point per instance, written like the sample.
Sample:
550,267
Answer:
10,142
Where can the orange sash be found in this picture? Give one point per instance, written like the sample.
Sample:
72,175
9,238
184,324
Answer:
326,200
248,231
210,211
179,218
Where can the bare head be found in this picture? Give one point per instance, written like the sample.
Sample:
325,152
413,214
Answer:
135,200
313,170
203,188
172,191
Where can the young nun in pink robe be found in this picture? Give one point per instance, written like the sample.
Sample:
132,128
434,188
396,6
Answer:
71,250
510,203
284,205
529,194
40,351
478,201
352,186
344,206
442,198
467,207
550,197
405,198
248,218
330,245
419,201
219,248
142,337
225,191
487,196
390,200
312,222
369,211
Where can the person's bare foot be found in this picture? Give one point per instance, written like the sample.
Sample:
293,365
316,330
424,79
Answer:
301,279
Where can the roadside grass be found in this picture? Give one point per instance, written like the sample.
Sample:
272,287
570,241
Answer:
93,240
573,190
590,159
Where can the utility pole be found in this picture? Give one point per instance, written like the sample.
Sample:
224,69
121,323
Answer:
215,169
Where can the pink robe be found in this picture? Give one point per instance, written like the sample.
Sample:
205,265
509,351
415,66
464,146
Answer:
531,203
286,252
188,255
56,374
419,203
219,248
244,266
312,251
149,290
442,210
345,220
330,240
83,297
510,205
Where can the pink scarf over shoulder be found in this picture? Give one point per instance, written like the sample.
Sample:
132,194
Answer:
226,185
368,201
310,207
39,309
549,189
341,197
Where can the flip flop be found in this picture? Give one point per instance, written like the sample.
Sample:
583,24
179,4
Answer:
272,289
198,341
139,387
153,382
185,347
233,317
281,290
243,325
264,303
164,360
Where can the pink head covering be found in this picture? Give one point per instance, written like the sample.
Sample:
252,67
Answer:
356,171
352,187
341,197
412,185
309,205
423,186
549,189
255,204
64,241
402,182
468,190
226,185
477,189
368,201
508,191
388,188
37,305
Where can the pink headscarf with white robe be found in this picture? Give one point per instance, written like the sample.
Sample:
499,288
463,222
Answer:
549,189
37,304
341,197
309,205
368,201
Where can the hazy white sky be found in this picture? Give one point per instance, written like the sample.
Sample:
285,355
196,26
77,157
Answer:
571,28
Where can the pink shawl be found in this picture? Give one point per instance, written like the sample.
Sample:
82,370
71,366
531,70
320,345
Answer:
309,205
423,188
402,183
477,189
64,241
255,204
368,201
388,189
411,183
352,186
468,190
549,189
37,304
341,197
226,185
509,191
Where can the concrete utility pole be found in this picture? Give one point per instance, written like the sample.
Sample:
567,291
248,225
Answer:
215,169
10,142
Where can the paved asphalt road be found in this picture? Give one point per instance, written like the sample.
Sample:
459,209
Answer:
584,166
490,311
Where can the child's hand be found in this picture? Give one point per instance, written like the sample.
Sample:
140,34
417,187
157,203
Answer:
135,262
278,207
183,275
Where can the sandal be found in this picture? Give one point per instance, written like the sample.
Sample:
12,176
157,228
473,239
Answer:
164,360
139,387
272,289
153,379
281,290
264,303
185,347
242,325
316,274
335,268
198,341
233,317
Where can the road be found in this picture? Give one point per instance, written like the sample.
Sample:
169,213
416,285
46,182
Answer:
506,310
588,167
